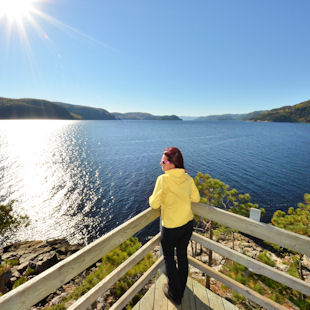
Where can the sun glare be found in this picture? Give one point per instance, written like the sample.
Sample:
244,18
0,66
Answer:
15,10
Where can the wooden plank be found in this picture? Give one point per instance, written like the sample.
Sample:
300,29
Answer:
34,290
215,301
137,306
147,301
124,300
87,299
171,306
236,286
254,265
201,296
284,238
228,305
188,301
161,302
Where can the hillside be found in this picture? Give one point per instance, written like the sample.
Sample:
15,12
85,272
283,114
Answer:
228,117
143,116
28,108
297,113
86,113
31,109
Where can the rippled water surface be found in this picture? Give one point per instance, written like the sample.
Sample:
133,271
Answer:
80,179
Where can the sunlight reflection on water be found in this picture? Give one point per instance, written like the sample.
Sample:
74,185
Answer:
37,171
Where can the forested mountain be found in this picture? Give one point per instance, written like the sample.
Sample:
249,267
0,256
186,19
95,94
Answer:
31,109
86,113
143,116
297,113
28,108
226,117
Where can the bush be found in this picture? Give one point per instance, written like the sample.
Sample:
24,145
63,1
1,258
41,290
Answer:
19,282
8,219
265,258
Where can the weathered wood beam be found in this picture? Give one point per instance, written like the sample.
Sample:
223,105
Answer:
284,238
254,265
34,290
236,286
98,290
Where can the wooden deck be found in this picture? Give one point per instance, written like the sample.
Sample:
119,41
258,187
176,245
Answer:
196,297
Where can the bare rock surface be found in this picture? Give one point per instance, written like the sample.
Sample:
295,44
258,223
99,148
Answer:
28,258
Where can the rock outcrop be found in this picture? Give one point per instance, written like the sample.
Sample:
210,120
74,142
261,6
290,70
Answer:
29,258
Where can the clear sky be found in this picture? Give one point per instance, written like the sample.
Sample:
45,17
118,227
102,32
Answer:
192,58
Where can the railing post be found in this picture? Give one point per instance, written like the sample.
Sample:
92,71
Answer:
255,214
161,253
208,283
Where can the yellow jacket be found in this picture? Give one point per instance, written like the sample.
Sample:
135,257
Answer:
174,191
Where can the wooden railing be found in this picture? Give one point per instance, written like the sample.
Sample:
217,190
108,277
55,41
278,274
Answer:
31,292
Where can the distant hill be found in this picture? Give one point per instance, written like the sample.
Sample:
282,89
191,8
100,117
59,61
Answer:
228,117
86,113
188,118
31,109
297,113
143,116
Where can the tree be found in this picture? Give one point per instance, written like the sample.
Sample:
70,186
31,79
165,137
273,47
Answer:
218,194
295,220
8,219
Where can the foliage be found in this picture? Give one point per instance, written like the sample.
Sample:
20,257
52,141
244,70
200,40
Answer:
8,219
31,109
296,113
4,268
218,194
12,262
29,271
265,258
19,281
108,263
263,285
295,220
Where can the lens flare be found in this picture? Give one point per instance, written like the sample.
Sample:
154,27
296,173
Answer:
15,10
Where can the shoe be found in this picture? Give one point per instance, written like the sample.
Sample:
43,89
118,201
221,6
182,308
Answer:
175,301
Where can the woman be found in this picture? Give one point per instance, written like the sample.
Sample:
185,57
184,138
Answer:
174,191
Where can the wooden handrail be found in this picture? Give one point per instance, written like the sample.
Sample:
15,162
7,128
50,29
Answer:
254,265
34,290
284,238
39,287
236,286
98,290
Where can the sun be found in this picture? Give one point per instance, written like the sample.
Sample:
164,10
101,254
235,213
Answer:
15,10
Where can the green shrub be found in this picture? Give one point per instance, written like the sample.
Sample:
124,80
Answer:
237,297
29,271
12,262
109,262
19,282
265,258
58,307
259,289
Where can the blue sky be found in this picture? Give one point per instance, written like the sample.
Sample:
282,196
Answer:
163,57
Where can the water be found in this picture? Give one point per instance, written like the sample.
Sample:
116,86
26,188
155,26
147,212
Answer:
80,179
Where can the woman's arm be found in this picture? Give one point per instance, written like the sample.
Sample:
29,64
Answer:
156,198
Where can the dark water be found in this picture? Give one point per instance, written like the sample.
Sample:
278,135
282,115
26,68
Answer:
80,179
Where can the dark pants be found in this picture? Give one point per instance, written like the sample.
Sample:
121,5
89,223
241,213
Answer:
178,238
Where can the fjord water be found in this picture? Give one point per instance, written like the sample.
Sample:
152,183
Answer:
80,179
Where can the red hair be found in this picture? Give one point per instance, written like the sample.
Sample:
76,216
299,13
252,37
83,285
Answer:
175,156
